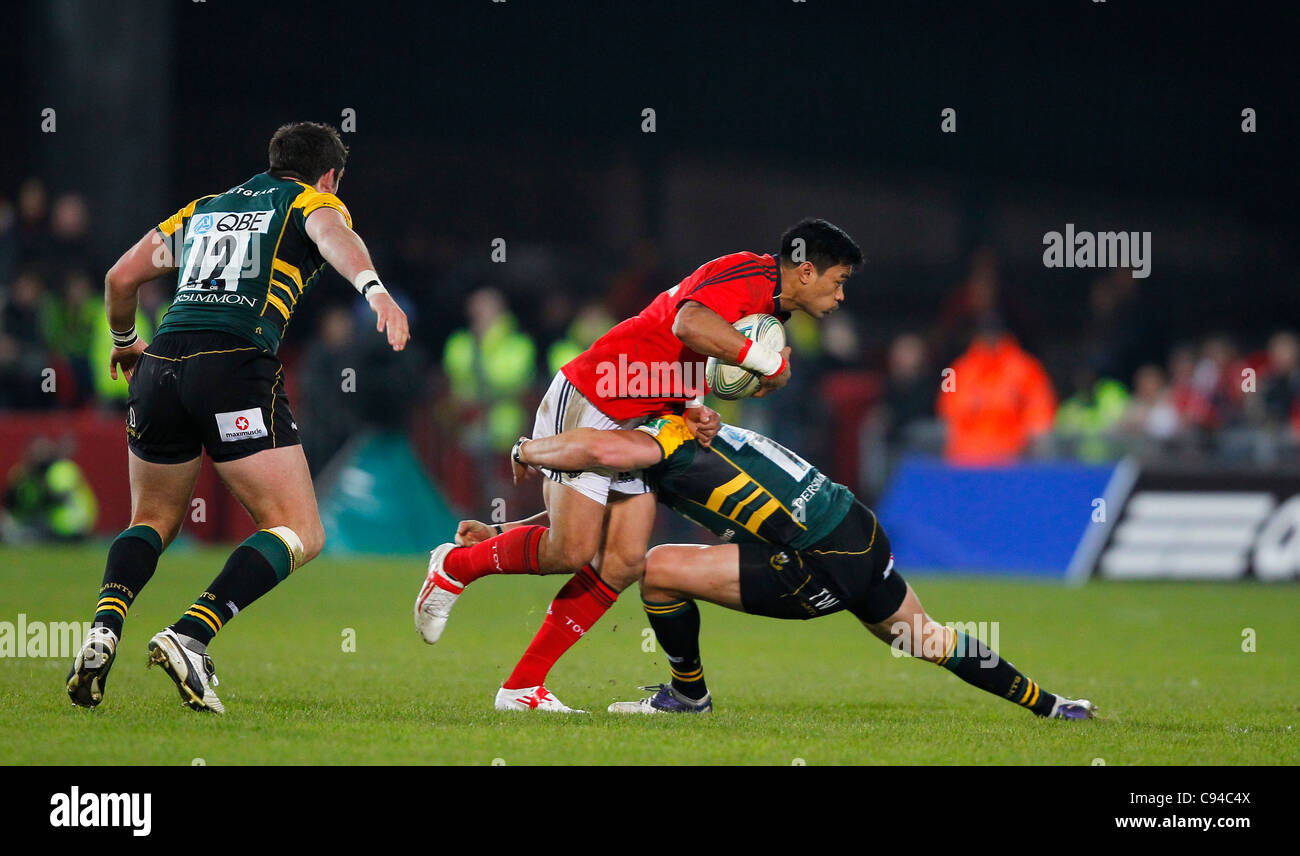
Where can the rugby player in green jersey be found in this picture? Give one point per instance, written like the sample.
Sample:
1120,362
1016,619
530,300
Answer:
210,380
800,546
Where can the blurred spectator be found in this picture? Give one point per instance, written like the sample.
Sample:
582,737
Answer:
33,226
1151,412
1208,387
328,402
23,357
591,323
490,365
8,242
1089,416
1280,387
47,497
69,224
909,390
70,317
997,401
982,294
1113,334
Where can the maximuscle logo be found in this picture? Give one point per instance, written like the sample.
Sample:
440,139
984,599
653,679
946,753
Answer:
25,638
132,811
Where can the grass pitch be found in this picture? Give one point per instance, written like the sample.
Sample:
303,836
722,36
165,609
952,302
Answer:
1164,662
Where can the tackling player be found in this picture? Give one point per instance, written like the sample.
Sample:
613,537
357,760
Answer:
648,365
805,547
211,381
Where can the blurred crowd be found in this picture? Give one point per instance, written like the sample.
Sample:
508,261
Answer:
979,380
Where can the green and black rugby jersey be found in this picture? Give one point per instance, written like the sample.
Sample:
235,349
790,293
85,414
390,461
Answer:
245,259
744,487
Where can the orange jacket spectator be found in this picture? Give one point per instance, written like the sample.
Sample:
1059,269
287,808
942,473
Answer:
996,401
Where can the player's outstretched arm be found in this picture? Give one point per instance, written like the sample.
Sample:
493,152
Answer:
582,449
347,254
148,259
706,332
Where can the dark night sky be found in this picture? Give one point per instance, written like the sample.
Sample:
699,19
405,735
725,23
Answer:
1100,95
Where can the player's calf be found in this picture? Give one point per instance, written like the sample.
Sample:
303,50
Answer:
969,658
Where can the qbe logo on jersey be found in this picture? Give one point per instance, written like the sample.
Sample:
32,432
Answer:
241,425
223,247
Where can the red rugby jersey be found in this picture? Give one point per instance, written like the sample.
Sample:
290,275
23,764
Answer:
640,369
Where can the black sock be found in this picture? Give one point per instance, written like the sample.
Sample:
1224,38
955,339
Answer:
677,626
256,566
132,559
979,665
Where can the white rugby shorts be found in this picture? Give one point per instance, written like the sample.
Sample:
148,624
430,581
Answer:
564,408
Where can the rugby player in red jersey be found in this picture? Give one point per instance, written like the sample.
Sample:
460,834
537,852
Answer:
650,364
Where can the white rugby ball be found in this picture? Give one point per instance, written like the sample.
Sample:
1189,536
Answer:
732,382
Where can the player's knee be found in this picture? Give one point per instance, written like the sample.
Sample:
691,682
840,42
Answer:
167,527
313,541
660,572
619,572
568,554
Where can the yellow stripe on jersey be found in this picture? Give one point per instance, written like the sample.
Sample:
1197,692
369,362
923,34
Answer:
765,511
310,199
169,226
295,275
272,300
741,470
721,493
288,291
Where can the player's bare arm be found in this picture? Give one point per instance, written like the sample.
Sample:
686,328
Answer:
148,259
471,532
582,449
347,254
708,333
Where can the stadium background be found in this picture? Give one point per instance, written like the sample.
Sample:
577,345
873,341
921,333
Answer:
760,118
477,121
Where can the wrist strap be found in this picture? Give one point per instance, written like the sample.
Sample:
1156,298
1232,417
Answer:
365,281
124,339
518,450
760,359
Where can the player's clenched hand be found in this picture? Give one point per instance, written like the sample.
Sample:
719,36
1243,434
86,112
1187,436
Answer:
518,469
703,422
392,319
470,532
778,380
126,358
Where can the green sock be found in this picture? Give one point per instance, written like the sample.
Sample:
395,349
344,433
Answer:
132,559
677,626
980,666
256,567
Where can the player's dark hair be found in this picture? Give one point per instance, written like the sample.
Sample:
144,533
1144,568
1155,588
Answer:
824,244
306,151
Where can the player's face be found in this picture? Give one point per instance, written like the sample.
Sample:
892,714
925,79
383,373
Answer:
823,293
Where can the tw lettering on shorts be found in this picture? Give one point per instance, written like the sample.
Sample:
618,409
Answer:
237,425
129,811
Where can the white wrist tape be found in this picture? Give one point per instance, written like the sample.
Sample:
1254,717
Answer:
125,339
361,280
762,360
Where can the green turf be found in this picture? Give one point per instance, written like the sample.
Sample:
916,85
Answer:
1164,661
